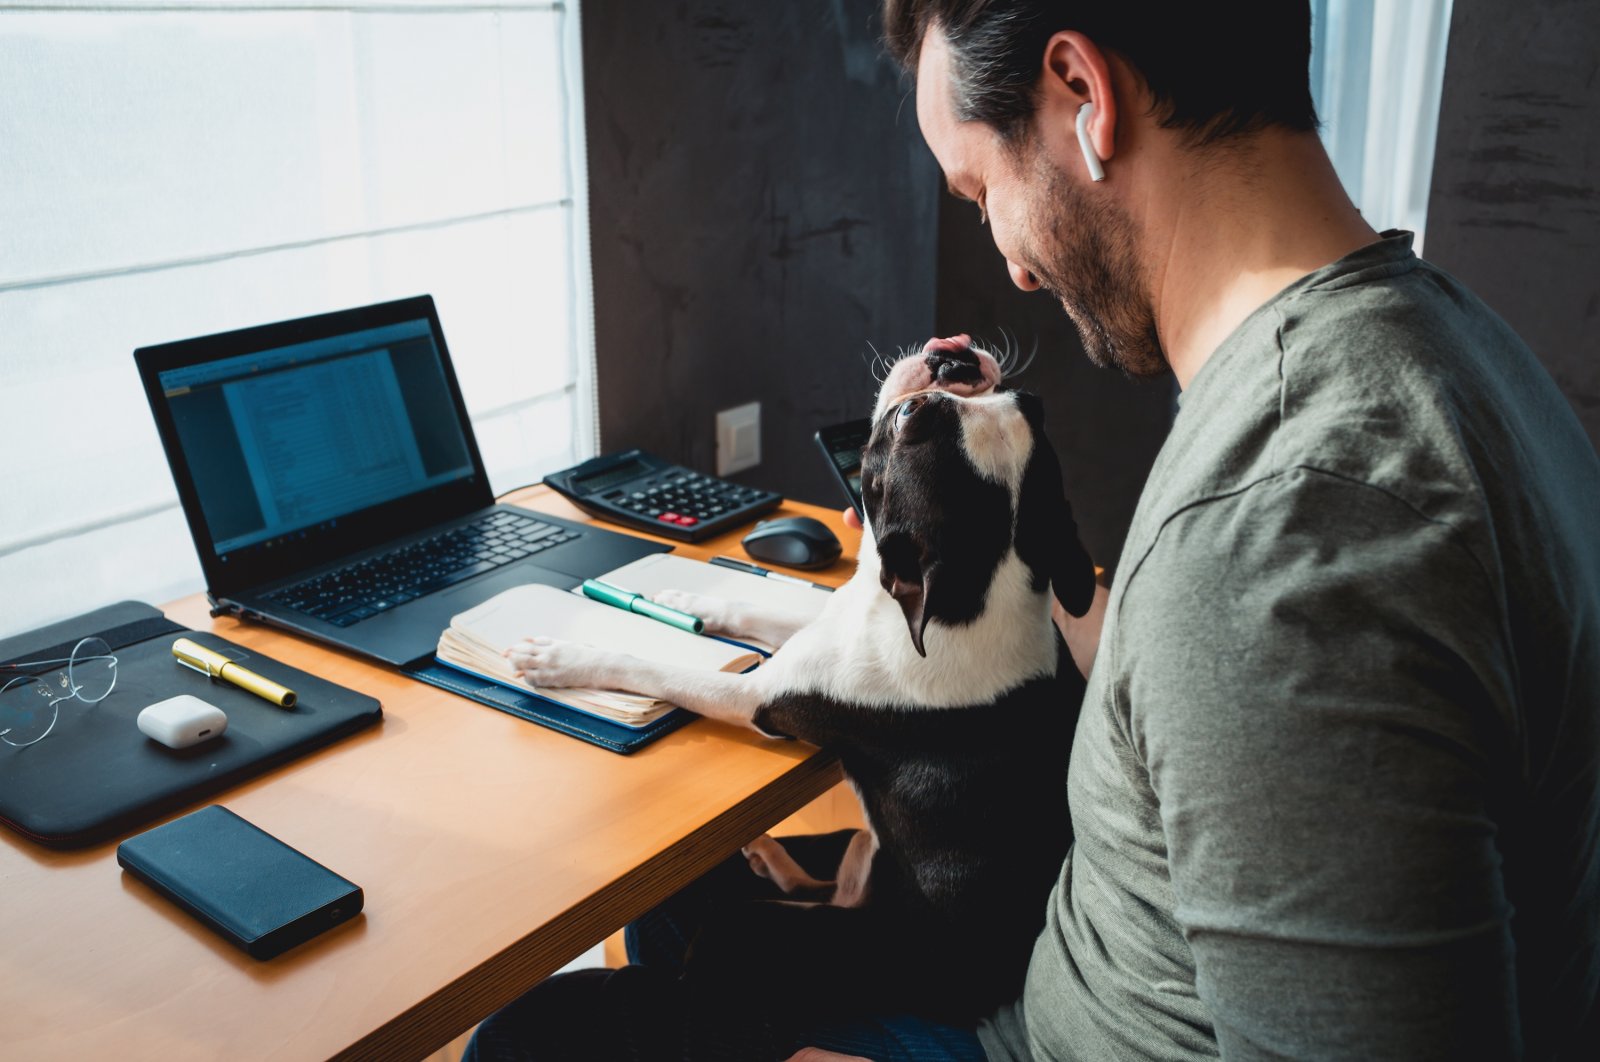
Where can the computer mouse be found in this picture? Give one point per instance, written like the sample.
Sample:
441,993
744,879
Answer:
794,542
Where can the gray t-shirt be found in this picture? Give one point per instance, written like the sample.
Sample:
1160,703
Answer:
1335,782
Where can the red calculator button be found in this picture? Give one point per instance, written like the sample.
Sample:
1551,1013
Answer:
670,518
687,521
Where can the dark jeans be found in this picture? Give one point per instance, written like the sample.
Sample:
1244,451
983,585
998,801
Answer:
646,1012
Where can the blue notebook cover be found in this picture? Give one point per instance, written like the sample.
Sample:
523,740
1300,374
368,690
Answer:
525,704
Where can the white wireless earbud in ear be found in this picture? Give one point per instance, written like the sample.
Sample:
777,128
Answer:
1096,171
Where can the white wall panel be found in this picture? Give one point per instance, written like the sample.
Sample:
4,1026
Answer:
76,413
169,135
170,169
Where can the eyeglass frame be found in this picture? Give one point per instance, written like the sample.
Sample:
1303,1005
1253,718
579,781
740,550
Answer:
76,689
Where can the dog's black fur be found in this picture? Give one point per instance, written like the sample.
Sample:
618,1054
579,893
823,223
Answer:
969,805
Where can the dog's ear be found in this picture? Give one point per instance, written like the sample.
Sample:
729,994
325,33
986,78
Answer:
905,574
1046,536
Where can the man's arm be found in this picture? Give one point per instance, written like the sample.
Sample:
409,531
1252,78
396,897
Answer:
1321,700
1082,633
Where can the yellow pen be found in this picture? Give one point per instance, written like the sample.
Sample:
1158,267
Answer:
215,665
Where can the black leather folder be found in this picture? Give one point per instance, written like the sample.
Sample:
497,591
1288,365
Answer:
96,775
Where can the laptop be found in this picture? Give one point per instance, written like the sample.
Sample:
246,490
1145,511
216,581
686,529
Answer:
334,488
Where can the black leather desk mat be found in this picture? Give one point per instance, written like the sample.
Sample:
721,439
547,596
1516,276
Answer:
96,775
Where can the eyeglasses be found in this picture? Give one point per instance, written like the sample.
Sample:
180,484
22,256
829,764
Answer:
30,704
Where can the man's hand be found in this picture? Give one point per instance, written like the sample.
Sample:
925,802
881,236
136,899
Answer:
1082,633
817,1054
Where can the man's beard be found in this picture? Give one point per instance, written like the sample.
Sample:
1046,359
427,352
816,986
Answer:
1086,258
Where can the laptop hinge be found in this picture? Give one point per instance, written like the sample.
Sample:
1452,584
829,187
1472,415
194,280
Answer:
221,606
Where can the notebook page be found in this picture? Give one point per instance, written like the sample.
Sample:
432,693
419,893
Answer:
665,571
543,611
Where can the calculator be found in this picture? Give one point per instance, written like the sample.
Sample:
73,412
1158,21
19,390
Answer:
638,489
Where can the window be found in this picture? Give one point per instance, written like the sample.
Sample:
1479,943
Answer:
175,168
1377,68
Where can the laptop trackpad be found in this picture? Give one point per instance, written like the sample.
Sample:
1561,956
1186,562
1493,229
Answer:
460,598
413,629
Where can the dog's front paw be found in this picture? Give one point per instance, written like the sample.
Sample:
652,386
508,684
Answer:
555,664
719,616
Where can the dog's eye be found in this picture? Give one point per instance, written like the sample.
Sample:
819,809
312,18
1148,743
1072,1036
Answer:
903,414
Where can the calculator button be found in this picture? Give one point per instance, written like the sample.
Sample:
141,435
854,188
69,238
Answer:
669,518
687,521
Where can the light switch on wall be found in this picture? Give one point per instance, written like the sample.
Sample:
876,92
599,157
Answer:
738,438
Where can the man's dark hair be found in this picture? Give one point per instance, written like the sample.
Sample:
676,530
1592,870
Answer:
1215,70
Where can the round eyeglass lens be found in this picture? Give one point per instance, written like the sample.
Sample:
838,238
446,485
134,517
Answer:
92,671
27,710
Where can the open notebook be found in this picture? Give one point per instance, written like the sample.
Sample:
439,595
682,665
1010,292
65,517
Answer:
475,639
663,571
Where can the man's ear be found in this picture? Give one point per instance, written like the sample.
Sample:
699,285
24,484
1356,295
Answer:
905,573
1075,71
1047,536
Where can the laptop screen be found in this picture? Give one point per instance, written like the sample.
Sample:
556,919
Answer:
297,443
290,440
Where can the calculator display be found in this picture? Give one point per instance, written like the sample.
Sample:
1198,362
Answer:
599,481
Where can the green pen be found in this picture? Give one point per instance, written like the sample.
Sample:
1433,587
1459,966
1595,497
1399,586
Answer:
640,605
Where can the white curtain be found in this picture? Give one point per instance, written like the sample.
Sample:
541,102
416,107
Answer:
173,168
1377,67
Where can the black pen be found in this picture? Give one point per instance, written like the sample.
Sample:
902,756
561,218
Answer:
741,566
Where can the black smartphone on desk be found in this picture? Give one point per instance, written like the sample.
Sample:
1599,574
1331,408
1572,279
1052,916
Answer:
243,883
842,445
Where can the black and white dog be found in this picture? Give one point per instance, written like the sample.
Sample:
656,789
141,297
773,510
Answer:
937,676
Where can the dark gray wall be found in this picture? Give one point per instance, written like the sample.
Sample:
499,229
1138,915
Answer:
1515,206
762,209
764,213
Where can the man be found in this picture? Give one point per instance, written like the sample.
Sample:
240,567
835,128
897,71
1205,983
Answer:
1336,783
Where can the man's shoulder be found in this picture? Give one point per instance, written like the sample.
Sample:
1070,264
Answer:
1404,382
1388,383
1415,387
1289,529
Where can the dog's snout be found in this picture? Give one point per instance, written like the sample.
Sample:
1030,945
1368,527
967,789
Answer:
951,364
955,366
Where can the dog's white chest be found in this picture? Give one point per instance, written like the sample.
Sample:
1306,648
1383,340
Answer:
860,652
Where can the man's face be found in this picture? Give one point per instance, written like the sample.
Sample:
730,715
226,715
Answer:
1055,233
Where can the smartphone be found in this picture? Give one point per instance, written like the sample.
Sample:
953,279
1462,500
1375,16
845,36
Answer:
842,445
240,881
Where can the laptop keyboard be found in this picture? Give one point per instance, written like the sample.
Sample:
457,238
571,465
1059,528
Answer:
362,590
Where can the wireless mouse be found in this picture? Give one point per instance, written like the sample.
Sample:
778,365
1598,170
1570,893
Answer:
794,542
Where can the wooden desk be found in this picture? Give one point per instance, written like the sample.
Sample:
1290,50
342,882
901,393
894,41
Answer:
492,852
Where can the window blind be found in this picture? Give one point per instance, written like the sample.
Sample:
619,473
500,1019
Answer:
171,169
1377,71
